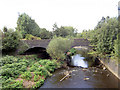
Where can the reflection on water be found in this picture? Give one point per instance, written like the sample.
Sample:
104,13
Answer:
78,60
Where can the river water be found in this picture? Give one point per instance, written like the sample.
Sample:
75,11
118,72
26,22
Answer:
85,74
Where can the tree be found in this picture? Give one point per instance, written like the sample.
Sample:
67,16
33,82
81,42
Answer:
117,46
26,25
58,47
10,40
1,36
107,36
44,34
64,31
100,23
104,35
5,29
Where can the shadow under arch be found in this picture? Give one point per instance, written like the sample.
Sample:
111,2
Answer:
39,51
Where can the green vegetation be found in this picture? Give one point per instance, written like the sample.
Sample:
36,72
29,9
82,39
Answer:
105,37
71,52
15,71
19,70
10,39
58,47
117,46
31,37
27,29
26,25
27,75
64,31
45,34
22,47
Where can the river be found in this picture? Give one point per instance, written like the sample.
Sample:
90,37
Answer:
85,74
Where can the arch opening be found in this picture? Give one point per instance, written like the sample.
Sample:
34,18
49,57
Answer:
39,51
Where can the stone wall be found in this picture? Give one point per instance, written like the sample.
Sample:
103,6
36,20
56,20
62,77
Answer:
111,65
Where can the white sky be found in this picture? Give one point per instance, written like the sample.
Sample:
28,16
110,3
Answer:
81,14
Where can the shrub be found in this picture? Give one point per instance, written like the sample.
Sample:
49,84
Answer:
13,70
8,60
22,47
72,51
24,61
36,77
12,84
11,40
37,73
27,75
31,37
43,71
117,46
58,47
38,83
43,62
34,67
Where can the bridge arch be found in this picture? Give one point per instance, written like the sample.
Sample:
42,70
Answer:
40,51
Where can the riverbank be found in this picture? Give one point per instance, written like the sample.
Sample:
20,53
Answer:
112,64
26,71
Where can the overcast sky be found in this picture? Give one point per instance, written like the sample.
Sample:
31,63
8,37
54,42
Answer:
81,14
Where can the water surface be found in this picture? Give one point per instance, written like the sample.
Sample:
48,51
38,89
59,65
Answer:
97,78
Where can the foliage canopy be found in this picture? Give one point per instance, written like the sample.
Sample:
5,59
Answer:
26,25
10,39
58,47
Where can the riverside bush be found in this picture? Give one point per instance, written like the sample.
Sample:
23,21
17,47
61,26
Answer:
11,40
23,67
72,50
15,84
31,37
8,60
10,83
27,75
38,83
58,47
36,77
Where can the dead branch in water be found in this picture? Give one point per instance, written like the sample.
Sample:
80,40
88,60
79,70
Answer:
65,77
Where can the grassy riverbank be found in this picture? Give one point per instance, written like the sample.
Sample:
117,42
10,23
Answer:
26,71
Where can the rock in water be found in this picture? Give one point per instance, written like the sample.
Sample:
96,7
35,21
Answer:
104,68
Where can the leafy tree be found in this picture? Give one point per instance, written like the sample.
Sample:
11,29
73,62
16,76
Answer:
10,39
100,23
117,46
64,31
55,27
104,35
1,36
26,25
107,36
44,34
5,29
58,47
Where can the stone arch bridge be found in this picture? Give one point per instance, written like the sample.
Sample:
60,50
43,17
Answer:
44,43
